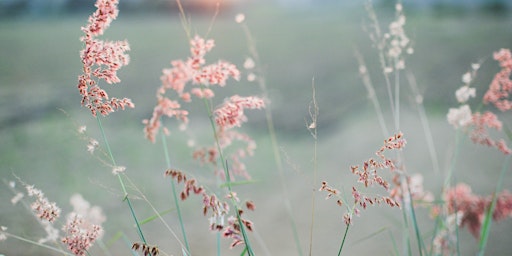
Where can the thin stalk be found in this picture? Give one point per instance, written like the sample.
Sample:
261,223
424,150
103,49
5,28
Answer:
397,97
126,198
413,217
228,177
37,244
418,99
376,38
174,194
406,239
156,212
395,247
367,82
313,113
273,138
486,227
343,240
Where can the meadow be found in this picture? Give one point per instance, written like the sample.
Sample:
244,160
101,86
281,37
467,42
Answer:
40,111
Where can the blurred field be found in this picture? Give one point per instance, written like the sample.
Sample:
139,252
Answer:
39,63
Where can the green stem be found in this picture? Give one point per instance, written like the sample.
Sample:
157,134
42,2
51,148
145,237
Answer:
413,217
37,244
406,241
484,234
107,145
174,194
343,241
228,178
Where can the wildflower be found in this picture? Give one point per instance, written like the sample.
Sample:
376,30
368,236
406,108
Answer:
250,205
446,236
330,191
479,134
239,18
464,93
42,207
17,198
165,107
251,77
473,207
231,113
233,230
368,176
80,235
459,117
466,78
92,145
146,249
118,169
194,71
249,63
92,215
411,189
2,235
219,211
82,129
501,86
102,60
397,40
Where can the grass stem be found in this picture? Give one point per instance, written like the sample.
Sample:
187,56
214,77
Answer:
174,193
343,240
126,197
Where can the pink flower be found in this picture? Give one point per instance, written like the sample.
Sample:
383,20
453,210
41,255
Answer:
42,207
165,107
480,135
231,113
473,207
101,60
501,86
193,71
80,235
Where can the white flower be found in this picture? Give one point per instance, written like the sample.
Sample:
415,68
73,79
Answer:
459,117
249,63
464,93
466,78
239,18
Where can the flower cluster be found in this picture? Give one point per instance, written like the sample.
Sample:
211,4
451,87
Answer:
231,113
501,86
410,188
83,225
368,176
233,230
472,208
218,209
80,235
477,124
42,207
393,43
194,71
227,116
101,60
190,184
398,40
146,249
446,236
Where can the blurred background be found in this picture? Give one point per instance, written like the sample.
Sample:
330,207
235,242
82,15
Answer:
298,41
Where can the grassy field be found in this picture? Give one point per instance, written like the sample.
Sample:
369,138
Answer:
39,63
